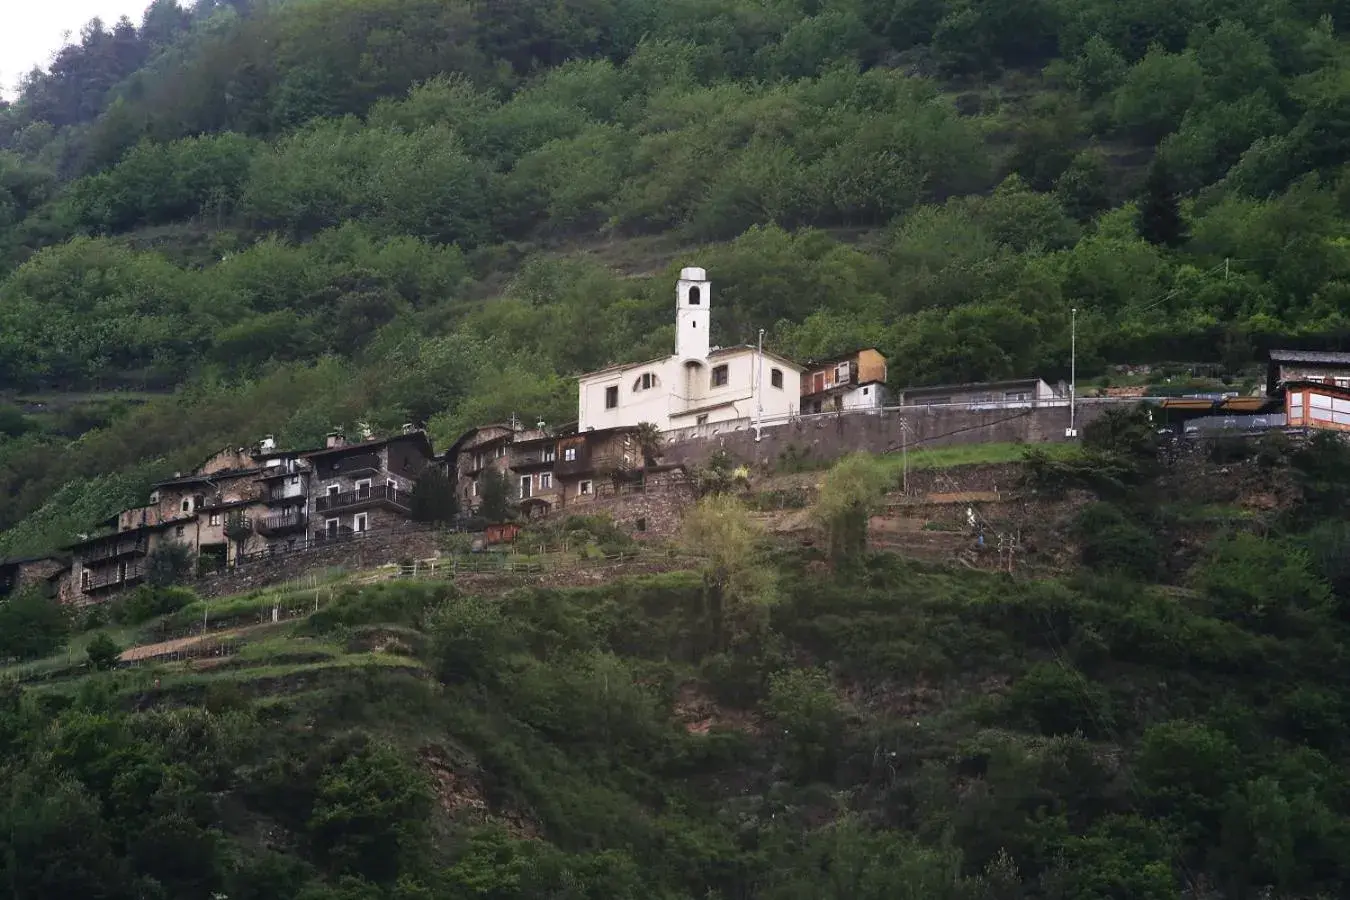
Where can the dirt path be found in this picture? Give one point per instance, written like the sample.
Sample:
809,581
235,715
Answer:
163,648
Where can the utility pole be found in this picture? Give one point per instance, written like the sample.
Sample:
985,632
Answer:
1072,431
904,457
759,389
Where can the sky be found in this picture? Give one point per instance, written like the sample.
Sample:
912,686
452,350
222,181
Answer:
32,31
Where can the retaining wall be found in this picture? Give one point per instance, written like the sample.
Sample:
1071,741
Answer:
375,549
825,438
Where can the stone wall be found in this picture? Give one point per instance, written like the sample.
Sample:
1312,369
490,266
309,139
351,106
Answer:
825,438
374,549
652,510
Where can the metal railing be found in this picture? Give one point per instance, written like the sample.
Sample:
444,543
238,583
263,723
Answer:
375,494
274,524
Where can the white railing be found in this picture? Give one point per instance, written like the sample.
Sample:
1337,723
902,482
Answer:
729,426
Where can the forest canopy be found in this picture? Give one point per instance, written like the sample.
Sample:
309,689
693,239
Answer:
450,210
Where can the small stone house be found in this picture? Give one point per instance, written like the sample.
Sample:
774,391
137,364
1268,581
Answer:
355,488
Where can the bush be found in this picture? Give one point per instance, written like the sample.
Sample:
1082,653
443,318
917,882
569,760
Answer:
1056,700
31,625
146,602
168,564
102,652
1111,542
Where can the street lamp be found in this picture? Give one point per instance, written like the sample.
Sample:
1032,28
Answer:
1072,430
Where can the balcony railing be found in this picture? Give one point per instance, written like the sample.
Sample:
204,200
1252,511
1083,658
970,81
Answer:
381,494
335,535
269,525
112,577
114,549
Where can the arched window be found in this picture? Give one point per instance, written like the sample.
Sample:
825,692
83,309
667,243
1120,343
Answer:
645,382
695,296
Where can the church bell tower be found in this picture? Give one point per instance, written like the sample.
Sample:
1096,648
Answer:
693,302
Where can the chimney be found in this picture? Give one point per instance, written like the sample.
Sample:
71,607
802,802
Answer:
335,439
409,428
267,444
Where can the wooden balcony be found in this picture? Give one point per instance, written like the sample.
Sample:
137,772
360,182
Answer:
111,577
123,546
378,495
268,526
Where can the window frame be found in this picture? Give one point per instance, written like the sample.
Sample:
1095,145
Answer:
612,396
720,376
776,378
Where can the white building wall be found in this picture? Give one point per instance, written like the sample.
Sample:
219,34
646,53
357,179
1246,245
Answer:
682,393
869,396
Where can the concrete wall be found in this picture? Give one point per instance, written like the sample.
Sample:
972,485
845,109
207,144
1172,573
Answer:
829,437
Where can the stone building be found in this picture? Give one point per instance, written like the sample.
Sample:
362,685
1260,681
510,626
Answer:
355,488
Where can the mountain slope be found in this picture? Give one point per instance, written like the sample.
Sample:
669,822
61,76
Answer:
358,200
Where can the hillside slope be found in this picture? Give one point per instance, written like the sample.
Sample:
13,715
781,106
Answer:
309,214
770,724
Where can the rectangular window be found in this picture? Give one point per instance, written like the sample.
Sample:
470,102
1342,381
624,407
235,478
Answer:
499,452
84,579
295,479
333,489
701,420
331,526
776,378
719,375
363,488
550,454
584,488
545,480
215,518
179,531
525,483
611,396
841,373
570,454
867,391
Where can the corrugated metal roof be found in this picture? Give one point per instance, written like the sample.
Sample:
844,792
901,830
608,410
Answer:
1311,356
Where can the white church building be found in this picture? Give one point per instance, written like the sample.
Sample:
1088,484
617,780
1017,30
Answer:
699,384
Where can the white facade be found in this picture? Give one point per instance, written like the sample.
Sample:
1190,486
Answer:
867,396
695,386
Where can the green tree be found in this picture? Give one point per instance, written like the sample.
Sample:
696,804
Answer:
168,564
102,652
435,498
31,625
850,494
738,588
494,496
1159,218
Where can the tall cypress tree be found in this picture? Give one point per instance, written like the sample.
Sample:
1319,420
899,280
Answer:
1159,219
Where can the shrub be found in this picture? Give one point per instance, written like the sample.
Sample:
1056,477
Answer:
1056,700
31,625
147,601
1111,542
804,705
102,652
